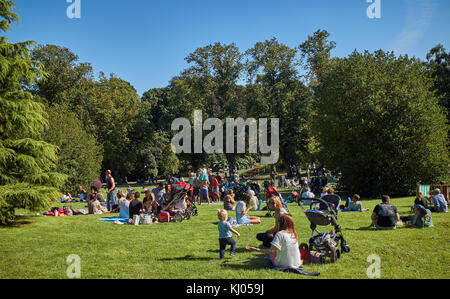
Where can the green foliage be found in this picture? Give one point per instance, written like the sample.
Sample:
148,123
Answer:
79,154
275,91
27,179
438,62
380,125
169,162
316,53
64,73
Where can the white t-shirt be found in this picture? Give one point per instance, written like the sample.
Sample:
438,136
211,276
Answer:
240,207
288,254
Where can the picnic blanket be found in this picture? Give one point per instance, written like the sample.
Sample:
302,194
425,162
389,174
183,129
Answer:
114,219
268,265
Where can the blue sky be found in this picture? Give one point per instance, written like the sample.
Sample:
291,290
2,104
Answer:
145,41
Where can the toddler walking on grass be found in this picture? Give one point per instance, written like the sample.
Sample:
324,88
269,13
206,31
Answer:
226,232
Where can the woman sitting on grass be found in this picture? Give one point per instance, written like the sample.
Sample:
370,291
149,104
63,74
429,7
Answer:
94,205
274,205
242,211
228,201
420,200
284,251
149,201
120,198
124,204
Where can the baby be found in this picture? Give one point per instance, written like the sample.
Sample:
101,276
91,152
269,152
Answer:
226,232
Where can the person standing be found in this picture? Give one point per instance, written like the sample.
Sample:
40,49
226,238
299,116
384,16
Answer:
111,198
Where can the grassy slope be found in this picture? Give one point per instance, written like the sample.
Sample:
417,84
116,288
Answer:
37,247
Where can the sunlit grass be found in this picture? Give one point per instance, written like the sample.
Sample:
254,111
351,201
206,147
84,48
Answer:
37,247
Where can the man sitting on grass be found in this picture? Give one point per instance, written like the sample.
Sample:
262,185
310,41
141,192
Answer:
385,215
440,205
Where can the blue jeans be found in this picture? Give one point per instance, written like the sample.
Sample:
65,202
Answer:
223,244
111,200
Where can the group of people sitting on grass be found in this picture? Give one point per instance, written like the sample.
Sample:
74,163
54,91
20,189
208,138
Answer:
281,240
385,215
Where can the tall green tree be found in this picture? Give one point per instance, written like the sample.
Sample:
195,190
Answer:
27,176
380,125
316,55
79,154
438,62
214,71
275,91
64,73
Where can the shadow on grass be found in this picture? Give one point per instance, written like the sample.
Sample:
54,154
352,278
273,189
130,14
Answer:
19,222
238,250
188,258
254,263
364,228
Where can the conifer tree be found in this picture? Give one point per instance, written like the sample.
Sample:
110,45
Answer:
27,179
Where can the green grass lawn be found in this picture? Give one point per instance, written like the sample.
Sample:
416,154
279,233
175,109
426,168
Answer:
37,247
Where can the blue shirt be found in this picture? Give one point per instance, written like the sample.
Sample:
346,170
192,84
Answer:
159,194
439,202
224,229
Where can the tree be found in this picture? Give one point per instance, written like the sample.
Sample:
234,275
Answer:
214,71
169,162
64,73
379,124
79,154
275,91
27,176
438,62
316,54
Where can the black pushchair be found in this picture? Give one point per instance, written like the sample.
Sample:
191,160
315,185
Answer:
180,191
323,213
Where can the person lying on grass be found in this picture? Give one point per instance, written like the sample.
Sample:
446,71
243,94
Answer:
421,218
274,205
284,251
226,232
241,211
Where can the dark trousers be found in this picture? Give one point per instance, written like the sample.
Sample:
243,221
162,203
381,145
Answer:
223,244
265,238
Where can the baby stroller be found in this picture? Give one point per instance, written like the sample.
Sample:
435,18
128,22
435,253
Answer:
271,191
332,244
178,193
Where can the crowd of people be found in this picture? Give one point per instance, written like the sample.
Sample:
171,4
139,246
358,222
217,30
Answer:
281,241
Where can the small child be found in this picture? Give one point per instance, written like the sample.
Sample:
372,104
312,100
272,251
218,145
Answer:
226,234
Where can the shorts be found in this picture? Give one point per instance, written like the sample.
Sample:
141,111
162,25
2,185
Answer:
203,193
